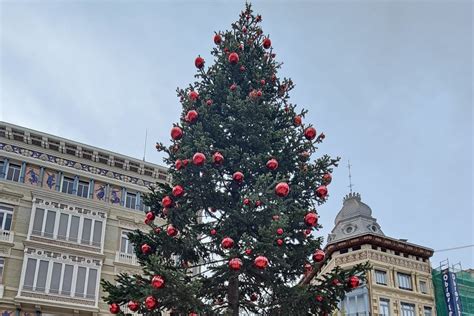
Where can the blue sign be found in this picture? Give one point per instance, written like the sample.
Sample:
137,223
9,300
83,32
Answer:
451,294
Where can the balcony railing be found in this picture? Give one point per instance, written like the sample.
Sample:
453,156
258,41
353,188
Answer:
6,236
63,297
128,258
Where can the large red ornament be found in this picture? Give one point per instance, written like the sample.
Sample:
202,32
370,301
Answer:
150,216
258,203
353,282
193,95
151,302
319,255
177,191
272,164
267,43
246,201
248,251
280,231
233,58
261,262
235,264
185,162
280,242
166,201
217,158
176,133
238,176
297,120
227,243
322,191
191,116
146,249
213,232
157,230
327,178
217,39
199,159
114,308
199,62
171,231
133,306
311,219
178,164
157,282
310,133
282,189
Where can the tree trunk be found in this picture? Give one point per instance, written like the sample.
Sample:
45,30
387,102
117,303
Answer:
233,295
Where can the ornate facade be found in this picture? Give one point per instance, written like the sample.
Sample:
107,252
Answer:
399,283
65,209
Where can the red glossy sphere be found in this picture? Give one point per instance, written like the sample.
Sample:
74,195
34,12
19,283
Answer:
322,191
171,231
310,133
267,43
166,201
217,158
199,159
227,243
235,264
146,249
114,308
151,302
233,58
238,176
193,95
150,216
319,255
177,191
191,116
282,189
199,62
311,219
157,282
133,306
261,262
353,282
272,164
280,231
176,133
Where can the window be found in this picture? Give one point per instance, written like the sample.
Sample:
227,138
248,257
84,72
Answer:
380,277
427,311
61,278
126,246
404,281
83,189
131,200
2,172
13,173
356,304
423,287
2,265
6,215
68,185
384,307
408,309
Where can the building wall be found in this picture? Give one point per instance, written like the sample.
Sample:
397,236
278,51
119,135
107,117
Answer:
391,263
39,186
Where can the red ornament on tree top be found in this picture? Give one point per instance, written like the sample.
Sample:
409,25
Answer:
217,39
233,58
157,282
177,191
322,191
193,95
178,164
311,219
297,120
310,133
319,255
353,282
199,159
166,202
261,262
199,62
327,178
151,302
191,116
282,189
235,264
267,43
227,243
176,133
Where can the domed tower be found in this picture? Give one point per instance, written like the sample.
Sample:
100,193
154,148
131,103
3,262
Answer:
354,218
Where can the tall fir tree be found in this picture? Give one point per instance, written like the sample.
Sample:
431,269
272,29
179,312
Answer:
235,229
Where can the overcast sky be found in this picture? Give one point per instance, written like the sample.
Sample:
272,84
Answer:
388,82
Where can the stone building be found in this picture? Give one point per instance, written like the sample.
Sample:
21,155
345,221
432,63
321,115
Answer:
400,280
65,209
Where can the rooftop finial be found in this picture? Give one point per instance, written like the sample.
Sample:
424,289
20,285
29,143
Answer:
350,176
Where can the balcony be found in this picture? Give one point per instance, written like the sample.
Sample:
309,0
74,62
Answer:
56,297
6,236
127,258
64,241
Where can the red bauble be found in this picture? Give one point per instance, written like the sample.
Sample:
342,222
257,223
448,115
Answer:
178,164
114,308
193,95
258,203
282,189
150,216
227,243
308,268
166,201
238,176
199,159
310,133
133,306
217,158
327,178
253,297
307,232
213,232
267,43
272,164
259,93
165,212
177,191
151,302
261,262
191,116
262,82
246,201
248,251
185,162
280,231
233,58
319,298
209,102
217,39
319,255
176,133
297,120
171,231
353,282
311,219
233,87
157,282
199,62
158,230
235,264
322,191
276,217
280,242
146,249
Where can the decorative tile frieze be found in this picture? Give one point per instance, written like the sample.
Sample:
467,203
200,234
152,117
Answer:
62,257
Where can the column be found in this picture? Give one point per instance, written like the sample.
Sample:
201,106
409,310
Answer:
107,192
59,180
75,185
138,206
41,176
22,172
3,173
124,197
91,188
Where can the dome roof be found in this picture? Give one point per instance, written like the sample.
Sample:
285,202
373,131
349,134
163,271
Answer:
353,207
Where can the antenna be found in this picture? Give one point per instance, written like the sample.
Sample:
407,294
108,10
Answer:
350,176
144,147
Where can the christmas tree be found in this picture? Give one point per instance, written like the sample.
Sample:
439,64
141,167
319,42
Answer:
235,229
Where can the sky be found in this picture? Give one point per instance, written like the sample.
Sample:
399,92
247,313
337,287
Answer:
388,82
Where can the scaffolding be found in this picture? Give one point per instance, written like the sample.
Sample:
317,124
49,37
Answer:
465,286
